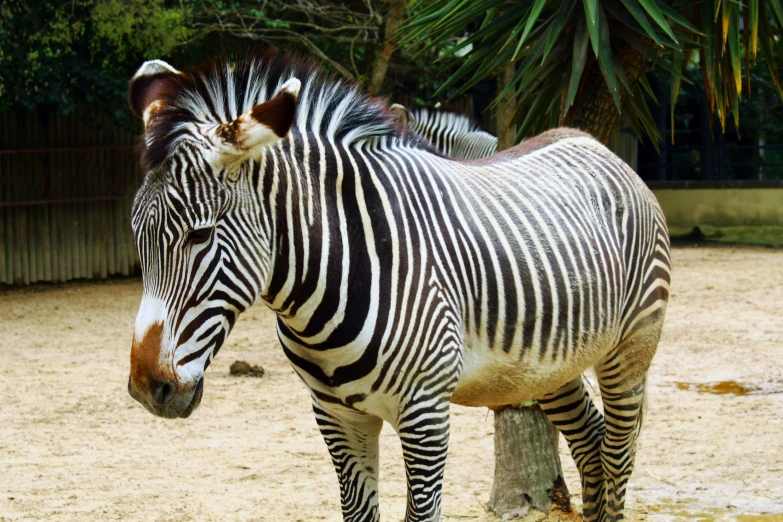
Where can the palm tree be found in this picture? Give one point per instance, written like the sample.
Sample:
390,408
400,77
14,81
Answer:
582,64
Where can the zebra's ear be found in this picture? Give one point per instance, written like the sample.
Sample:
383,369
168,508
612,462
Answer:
400,113
262,125
149,86
265,123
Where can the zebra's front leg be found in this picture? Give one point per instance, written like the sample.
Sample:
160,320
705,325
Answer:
352,440
424,433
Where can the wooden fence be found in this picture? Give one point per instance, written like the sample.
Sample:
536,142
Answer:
66,186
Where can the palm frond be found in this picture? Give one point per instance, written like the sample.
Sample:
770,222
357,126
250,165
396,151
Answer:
548,42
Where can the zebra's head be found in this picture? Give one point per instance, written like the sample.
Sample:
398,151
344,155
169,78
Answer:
197,225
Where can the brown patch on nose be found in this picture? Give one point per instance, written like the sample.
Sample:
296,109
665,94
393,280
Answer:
145,360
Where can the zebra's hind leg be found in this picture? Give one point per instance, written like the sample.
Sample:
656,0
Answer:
622,376
573,412
352,440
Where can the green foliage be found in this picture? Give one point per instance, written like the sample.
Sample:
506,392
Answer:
64,54
552,43
81,53
144,28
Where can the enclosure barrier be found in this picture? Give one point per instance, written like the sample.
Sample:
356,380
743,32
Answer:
745,212
66,185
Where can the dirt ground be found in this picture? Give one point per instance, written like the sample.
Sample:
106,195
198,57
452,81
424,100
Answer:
75,446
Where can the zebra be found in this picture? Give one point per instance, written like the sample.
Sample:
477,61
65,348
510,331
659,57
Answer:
402,281
452,134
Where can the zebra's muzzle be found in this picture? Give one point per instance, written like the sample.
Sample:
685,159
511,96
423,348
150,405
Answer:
170,402
195,401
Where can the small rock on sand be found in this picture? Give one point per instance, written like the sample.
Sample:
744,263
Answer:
244,368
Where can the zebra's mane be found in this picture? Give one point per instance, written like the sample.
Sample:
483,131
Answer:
219,92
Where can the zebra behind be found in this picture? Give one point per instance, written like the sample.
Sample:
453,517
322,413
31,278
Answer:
402,280
452,134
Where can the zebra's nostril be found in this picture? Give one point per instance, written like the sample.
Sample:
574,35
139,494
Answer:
162,391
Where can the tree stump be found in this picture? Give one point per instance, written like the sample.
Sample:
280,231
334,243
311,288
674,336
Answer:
527,463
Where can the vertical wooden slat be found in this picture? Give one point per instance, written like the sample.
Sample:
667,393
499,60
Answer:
3,240
104,172
66,262
34,230
55,211
52,266
123,214
88,176
89,221
111,253
50,245
122,234
20,247
73,208
32,242
128,248
9,250
4,172
28,257
72,212
97,239
81,214
23,265
66,210
14,182
76,239
54,242
9,228
30,185
46,245
83,233
63,260
16,248
9,258
8,275
70,217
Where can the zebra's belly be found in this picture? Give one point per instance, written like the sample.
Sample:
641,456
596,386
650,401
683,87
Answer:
494,378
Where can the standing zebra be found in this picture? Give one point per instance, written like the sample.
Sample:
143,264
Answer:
450,133
402,280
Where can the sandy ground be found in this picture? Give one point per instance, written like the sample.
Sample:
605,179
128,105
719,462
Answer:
75,446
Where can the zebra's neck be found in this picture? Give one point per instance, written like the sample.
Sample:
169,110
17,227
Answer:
314,190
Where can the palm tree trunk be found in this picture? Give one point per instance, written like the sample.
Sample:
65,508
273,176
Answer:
505,130
594,110
384,53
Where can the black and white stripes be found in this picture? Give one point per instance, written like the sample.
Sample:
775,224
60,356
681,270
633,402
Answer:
402,280
452,134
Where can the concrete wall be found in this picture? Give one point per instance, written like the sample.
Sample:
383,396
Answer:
730,214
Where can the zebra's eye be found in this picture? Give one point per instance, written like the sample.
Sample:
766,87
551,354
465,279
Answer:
199,235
